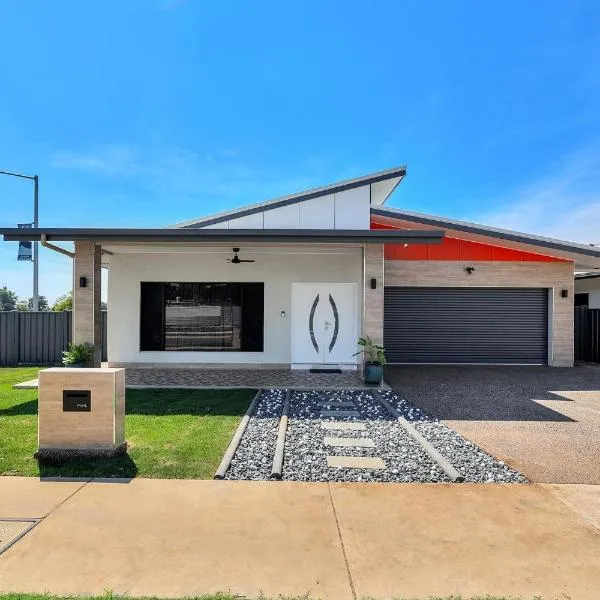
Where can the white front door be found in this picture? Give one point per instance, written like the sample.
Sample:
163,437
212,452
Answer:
323,323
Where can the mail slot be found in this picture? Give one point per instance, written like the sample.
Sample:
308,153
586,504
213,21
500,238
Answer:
77,400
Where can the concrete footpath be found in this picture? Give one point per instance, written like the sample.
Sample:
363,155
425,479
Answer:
174,538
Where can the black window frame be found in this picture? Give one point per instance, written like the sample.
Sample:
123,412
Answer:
153,321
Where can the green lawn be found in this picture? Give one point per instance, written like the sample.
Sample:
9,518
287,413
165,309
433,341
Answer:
171,433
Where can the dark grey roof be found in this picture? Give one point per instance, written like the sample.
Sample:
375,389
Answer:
317,236
586,275
494,232
341,186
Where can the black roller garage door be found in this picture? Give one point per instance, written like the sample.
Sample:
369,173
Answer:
466,325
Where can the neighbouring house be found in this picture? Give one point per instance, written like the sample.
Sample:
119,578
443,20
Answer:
295,281
587,290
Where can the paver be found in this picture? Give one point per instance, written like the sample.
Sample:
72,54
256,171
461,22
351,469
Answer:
350,442
337,404
355,462
343,426
339,413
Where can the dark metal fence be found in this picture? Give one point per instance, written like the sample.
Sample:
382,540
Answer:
587,334
37,338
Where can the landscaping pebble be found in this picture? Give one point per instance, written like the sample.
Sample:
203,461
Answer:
308,456
254,456
305,457
467,458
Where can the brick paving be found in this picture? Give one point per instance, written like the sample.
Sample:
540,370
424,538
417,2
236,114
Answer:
245,378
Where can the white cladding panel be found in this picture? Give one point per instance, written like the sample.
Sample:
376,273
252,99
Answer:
318,213
284,217
278,268
222,225
353,209
254,221
382,189
350,209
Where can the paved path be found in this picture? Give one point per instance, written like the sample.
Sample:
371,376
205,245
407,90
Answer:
174,538
339,409
203,378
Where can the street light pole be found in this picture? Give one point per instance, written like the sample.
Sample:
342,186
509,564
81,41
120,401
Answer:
36,264
34,178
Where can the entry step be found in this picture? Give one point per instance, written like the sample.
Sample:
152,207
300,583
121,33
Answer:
350,442
356,462
337,404
339,413
343,426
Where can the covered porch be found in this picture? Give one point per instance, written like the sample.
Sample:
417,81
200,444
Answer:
344,267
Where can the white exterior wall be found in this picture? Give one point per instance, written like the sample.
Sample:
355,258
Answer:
278,268
589,286
350,209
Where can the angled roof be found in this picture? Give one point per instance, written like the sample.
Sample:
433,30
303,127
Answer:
386,182
485,230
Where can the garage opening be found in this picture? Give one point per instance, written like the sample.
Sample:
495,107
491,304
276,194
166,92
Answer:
466,325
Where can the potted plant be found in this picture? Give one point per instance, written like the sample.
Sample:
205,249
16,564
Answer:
78,355
374,356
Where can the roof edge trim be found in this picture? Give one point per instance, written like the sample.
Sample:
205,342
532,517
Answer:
202,235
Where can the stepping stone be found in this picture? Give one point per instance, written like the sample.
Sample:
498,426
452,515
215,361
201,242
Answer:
355,462
339,413
337,403
352,442
343,426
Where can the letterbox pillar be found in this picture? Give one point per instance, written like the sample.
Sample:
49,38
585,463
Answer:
81,412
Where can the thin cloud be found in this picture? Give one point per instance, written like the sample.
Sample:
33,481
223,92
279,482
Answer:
107,160
225,178
563,205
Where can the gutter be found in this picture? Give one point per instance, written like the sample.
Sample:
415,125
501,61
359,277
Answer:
211,236
44,242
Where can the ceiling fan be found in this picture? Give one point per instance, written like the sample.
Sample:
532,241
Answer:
236,260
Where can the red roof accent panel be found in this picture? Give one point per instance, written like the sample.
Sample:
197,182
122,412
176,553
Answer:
457,249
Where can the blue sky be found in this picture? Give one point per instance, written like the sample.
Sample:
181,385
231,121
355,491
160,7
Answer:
150,112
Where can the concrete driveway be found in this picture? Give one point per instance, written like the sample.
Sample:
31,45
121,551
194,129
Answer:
543,421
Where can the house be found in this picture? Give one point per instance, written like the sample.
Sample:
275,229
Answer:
587,289
295,281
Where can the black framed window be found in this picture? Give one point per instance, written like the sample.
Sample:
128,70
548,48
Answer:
202,317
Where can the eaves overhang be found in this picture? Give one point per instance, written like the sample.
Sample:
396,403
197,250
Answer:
183,235
490,232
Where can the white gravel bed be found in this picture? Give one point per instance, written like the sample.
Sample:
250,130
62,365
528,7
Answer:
305,456
467,458
254,456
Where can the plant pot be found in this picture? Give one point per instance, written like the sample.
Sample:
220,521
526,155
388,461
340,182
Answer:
76,365
373,372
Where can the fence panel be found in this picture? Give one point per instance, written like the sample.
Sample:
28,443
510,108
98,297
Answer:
587,334
38,338
9,328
